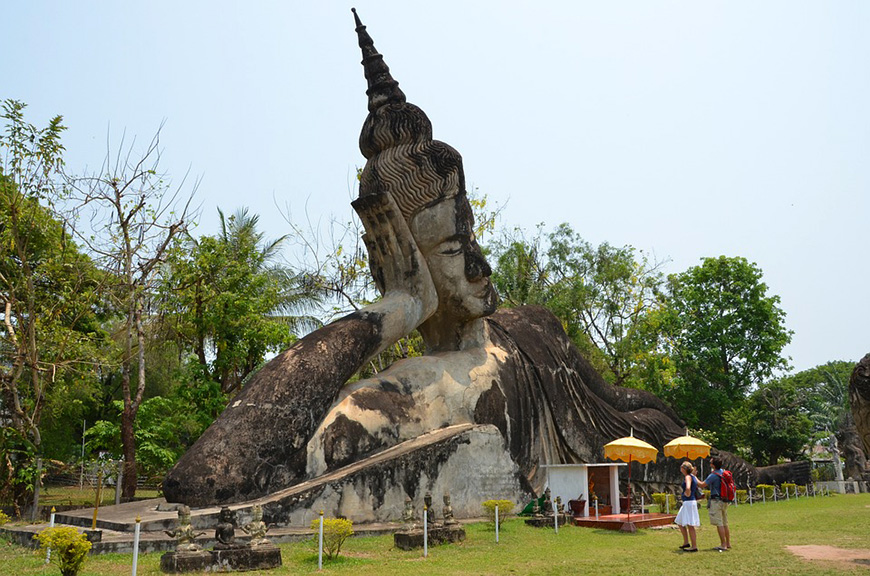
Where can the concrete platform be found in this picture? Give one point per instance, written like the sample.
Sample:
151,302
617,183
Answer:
623,522
118,525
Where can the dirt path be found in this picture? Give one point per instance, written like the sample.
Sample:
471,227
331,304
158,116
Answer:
843,556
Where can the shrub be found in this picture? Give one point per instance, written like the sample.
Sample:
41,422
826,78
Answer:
665,501
788,489
4,518
69,548
765,490
504,509
742,496
335,532
706,494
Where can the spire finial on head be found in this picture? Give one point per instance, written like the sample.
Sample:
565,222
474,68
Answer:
383,89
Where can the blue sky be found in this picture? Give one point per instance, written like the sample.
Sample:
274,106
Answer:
686,129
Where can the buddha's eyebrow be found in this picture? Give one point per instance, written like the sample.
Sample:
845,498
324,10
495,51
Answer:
459,237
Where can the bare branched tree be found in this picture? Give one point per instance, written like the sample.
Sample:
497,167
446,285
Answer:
133,213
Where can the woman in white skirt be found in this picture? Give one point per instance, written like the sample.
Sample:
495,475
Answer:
687,517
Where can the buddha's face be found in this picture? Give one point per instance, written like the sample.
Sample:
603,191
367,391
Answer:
445,235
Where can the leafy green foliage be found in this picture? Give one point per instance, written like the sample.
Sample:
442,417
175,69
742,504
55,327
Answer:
665,501
505,508
225,298
606,297
765,490
166,425
335,532
50,334
729,336
69,548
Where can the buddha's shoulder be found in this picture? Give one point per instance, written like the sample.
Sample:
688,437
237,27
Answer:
533,319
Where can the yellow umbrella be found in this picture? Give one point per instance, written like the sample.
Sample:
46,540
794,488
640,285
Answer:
627,449
687,447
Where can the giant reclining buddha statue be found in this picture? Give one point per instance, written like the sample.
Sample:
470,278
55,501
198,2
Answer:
498,394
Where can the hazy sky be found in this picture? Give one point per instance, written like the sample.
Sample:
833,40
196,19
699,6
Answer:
686,129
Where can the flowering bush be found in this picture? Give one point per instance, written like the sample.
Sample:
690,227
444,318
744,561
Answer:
504,509
335,532
766,490
665,501
69,548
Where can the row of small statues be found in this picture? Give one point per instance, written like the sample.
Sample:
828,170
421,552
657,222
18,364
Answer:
409,516
225,532
547,509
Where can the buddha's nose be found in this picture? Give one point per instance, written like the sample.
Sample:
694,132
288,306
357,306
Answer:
476,266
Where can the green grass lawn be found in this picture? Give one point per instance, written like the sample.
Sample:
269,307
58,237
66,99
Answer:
759,536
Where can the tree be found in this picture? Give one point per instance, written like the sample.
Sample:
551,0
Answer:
49,294
605,297
826,398
779,426
227,299
131,210
728,337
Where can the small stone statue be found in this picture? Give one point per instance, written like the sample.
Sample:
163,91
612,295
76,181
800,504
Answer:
536,510
408,513
449,520
548,502
184,534
256,528
225,533
559,508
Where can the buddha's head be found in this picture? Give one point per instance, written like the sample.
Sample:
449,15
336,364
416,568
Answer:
426,180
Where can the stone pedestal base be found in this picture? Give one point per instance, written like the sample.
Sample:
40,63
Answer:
232,560
412,539
94,535
547,521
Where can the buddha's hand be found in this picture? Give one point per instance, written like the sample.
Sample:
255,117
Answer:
396,262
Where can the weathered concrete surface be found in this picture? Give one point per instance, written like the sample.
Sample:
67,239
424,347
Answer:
859,397
234,560
413,539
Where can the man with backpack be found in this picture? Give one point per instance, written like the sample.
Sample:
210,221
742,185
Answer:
722,492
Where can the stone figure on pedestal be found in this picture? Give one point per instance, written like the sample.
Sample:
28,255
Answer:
225,532
184,534
447,512
256,528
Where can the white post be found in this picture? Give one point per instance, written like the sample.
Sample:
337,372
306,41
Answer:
496,523
667,503
796,495
119,479
749,491
425,531
596,508
50,525
320,544
787,495
774,494
641,503
34,514
763,496
82,476
136,545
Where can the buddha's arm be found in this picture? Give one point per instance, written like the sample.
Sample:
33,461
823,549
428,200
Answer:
270,421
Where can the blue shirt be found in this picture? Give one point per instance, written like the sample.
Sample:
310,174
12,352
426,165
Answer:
714,483
693,491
